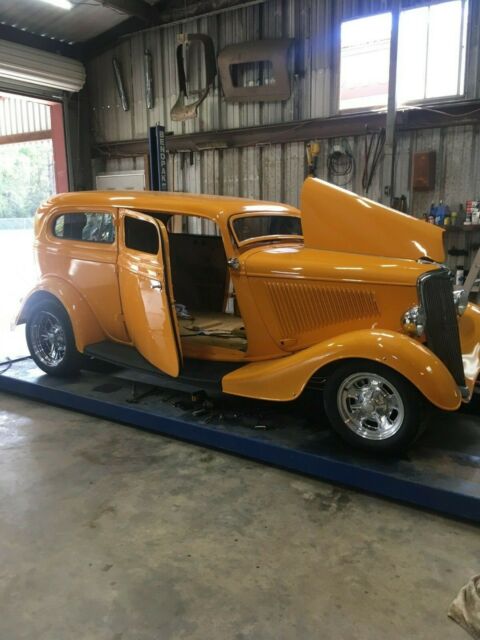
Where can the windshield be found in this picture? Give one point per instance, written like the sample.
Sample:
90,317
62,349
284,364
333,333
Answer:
253,227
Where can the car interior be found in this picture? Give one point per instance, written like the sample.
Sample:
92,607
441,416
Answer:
204,296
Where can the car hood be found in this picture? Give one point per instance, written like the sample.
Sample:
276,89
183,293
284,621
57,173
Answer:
337,220
299,263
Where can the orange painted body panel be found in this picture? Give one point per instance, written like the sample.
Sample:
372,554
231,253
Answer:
335,219
307,295
340,293
145,281
90,268
217,208
285,379
86,327
469,325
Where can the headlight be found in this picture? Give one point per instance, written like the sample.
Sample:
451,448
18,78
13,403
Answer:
460,298
413,321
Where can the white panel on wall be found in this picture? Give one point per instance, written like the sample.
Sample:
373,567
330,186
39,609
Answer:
121,181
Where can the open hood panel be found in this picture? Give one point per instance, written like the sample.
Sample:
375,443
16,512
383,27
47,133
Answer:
335,219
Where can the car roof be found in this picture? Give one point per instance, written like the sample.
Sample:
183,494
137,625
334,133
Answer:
210,206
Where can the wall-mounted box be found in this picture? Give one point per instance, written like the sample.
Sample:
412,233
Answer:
256,71
424,171
121,181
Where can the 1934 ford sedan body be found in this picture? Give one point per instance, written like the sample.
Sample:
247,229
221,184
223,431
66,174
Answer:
345,291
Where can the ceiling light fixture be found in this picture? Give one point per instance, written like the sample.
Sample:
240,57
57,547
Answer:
61,4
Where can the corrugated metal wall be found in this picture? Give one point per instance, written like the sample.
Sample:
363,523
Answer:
271,171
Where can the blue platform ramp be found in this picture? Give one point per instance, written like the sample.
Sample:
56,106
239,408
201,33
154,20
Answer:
442,472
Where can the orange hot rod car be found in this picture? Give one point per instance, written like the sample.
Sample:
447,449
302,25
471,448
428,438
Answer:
345,291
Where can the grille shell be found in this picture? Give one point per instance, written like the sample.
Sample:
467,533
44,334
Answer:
443,337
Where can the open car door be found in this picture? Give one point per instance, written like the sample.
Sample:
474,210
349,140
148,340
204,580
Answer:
146,290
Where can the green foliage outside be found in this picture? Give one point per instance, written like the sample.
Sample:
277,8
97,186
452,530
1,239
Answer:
26,177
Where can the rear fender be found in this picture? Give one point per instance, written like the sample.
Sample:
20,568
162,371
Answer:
86,328
284,379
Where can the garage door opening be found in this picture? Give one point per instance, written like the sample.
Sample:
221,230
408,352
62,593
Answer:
33,166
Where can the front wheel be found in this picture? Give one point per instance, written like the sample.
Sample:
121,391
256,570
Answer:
372,407
50,339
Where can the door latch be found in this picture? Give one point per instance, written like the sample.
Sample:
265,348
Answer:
158,286
234,263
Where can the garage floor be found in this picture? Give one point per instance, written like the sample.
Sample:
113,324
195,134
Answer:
109,533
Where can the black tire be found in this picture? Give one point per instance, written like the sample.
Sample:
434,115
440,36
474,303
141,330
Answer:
403,417
68,360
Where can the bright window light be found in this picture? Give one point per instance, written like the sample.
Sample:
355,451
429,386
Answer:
431,56
431,52
61,4
364,61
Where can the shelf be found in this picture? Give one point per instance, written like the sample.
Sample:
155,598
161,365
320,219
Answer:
460,227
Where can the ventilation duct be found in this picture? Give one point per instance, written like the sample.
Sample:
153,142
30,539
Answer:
35,67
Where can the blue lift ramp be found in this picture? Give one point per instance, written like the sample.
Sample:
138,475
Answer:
441,473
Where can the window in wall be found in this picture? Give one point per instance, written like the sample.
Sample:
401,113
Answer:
89,227
431,55
364,61
431,51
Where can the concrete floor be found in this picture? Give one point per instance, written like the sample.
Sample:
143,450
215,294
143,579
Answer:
108,533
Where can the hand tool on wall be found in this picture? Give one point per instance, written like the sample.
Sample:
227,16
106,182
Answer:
313,151
122,94
148,75
373,151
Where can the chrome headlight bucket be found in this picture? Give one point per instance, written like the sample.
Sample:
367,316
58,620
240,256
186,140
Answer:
413,321
460,299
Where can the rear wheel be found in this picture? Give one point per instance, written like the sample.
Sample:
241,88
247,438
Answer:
372,407
50,339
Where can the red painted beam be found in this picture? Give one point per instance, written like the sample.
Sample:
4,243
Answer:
14,138
59,148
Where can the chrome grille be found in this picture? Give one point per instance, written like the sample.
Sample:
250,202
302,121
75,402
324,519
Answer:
443,338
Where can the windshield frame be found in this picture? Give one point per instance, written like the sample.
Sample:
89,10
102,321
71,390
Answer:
273,238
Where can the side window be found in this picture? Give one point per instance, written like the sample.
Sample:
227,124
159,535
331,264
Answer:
141,236
89,227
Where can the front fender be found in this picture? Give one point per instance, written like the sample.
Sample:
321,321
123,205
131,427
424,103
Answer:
469,328
285,378
86,328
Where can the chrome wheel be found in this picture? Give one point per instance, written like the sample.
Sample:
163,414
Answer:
370,406
48,339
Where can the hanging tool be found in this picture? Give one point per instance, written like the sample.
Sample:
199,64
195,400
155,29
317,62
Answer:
375,145
313,151
122,94
341,163
148,75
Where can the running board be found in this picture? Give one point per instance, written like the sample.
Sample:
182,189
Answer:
194,374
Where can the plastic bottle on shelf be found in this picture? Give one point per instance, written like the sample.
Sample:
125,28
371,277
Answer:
440,213
459,275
